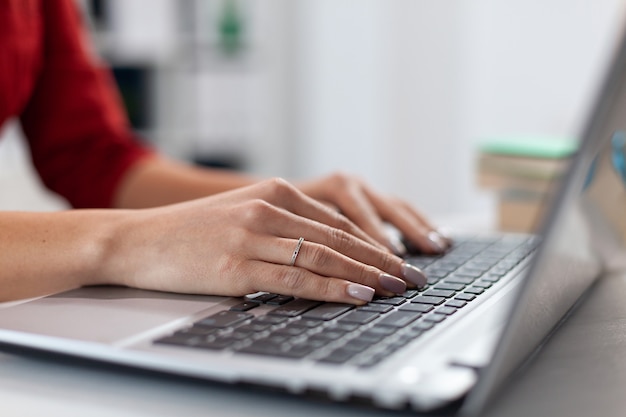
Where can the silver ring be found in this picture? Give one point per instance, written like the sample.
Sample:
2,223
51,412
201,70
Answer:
296,251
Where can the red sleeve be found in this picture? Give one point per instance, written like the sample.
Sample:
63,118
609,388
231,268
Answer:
80,139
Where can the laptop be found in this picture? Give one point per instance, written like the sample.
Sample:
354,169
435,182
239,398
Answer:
490,302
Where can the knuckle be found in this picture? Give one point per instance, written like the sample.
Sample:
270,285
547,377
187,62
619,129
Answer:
291,279
326,290
341,240
344,179
388,262
367,275
230,267
279,188
256,209
320,255
342,222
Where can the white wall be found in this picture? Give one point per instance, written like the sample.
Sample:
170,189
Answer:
401,91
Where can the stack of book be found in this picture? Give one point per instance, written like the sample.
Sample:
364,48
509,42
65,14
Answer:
523,172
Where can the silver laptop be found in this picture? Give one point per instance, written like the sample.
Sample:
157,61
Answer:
490,302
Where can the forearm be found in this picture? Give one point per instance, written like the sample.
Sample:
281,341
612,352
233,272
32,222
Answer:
158,181
42,253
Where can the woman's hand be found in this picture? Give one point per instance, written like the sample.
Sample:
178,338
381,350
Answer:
370,211
243,241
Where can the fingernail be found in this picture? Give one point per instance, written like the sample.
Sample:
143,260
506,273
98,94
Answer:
414,274
397,246
361,292
443,232
391,283
437,242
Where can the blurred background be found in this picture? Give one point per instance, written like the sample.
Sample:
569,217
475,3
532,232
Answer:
402,93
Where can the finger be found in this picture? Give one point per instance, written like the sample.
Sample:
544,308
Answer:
285,195
356,205
323,226
283,223
300,282
412,224
327,262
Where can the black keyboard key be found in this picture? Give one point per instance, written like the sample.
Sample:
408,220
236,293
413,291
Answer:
298,351
245,306
358,345
278,339
491,277
482,284
370,337
238,335
381,330
470,272
399,319
474,290
456,303
465,297
224,319
435,317
270,319
294,308
410,293
458,279
338,356
327,311
342,327
433,280
420,308
359,317
261,298
280,300
413,333
428,300
266,347
327,336
379,308
219,343
422,326
447,310
449,286
394,301
197,331
253,327
290,331
439,293
309,324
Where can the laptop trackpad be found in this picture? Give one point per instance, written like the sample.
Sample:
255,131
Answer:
103,314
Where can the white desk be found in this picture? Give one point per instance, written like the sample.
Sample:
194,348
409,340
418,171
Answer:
580,372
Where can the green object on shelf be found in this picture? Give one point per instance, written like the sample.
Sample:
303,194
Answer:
230,27
530,146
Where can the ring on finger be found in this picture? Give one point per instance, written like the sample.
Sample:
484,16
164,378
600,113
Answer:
296,251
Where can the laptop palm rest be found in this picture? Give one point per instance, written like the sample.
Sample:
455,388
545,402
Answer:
107,314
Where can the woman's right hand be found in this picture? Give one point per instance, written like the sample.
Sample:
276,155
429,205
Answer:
241,242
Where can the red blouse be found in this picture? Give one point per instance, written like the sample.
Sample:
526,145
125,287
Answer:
80,139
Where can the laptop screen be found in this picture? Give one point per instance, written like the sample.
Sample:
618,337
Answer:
582,236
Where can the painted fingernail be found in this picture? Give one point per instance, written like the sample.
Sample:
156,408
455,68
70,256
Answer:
361,292
414,274
391,283
437,242
397,246
443,232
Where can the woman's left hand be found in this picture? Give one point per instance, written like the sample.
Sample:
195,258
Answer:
370,211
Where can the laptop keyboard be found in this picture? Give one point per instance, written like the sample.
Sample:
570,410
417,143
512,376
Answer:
360,335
